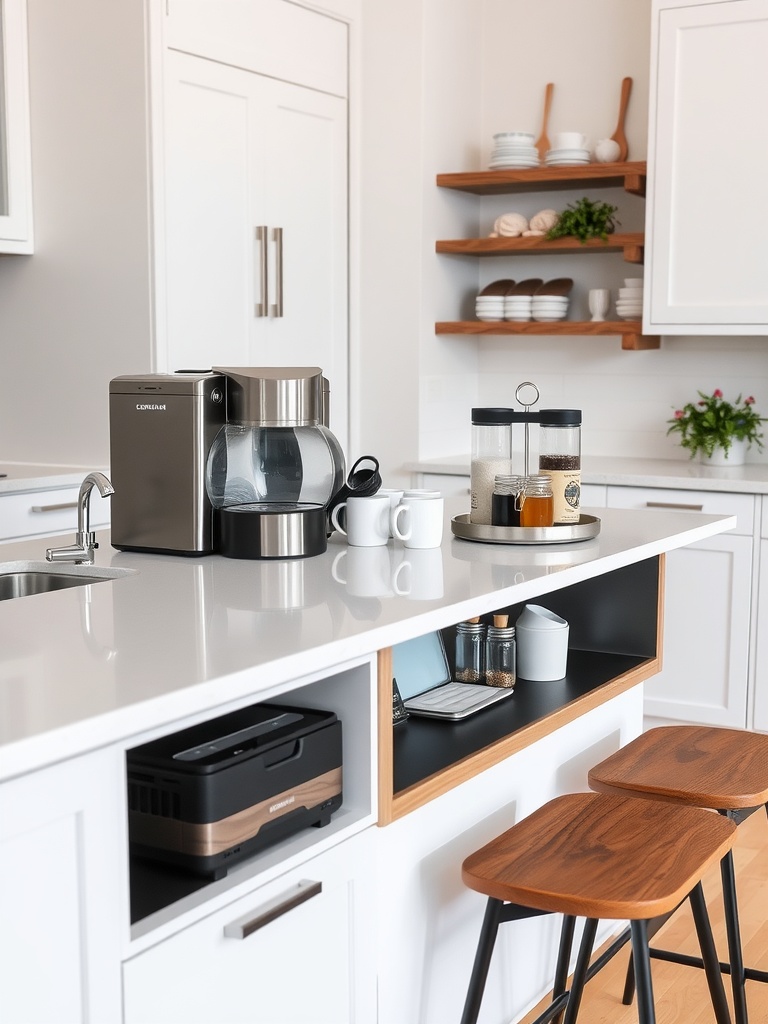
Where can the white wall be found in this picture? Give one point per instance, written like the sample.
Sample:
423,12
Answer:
77,312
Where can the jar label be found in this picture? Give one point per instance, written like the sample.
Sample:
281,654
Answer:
566,490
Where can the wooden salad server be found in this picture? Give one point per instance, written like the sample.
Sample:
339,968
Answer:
618,135
542,143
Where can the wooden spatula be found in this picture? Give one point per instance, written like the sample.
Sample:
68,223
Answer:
542,143
618,135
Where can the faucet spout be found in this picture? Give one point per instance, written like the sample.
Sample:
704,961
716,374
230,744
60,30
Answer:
81,552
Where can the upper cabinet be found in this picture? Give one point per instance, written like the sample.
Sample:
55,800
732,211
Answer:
707,207
15,162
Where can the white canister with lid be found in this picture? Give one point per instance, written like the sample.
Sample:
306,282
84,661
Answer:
542,644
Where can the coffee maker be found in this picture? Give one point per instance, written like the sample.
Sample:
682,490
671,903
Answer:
237,459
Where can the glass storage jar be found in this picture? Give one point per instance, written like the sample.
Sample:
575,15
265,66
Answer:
560,459
491,454
501,657
470,652
537,505
505,509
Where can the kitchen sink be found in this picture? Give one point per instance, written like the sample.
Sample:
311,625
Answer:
24,579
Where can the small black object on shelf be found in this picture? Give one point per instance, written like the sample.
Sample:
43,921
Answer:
399,714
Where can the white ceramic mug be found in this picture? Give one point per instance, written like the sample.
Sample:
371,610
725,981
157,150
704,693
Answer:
366,520
569,140
365,572
420,492
419,576
395,497
422,522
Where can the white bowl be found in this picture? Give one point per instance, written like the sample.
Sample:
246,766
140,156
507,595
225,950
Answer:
548,318
517,136
490,317
517,318
633,282
633,294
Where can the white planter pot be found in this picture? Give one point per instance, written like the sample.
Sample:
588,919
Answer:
735,456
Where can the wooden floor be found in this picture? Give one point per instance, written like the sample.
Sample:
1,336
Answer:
681,993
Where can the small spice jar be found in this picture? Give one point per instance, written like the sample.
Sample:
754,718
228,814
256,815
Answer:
470,652
560,459
504,504
501,654
536,501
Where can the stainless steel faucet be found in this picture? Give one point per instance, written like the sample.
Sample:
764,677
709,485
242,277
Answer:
81,552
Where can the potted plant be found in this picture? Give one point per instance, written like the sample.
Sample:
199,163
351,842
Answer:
584,220
719,431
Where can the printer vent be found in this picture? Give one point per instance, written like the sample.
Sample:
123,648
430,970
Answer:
146,796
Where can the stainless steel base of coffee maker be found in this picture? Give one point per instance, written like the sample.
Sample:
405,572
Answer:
271,530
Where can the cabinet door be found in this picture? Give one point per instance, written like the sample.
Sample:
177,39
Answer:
761,658
61,850
707,210
254,225
15,160
310,963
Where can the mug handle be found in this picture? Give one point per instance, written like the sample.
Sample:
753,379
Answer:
334,566
335,517
396,580
393,518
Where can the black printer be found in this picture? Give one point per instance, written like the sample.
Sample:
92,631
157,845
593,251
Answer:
208,796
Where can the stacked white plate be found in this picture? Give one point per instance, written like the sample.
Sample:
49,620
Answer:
549,308
489,307
518,307
566,157
513,150
629,305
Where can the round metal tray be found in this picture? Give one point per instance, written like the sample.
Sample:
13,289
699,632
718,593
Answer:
566,533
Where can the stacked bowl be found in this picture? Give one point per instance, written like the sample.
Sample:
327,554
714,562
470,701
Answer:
490,302
629,305
550,300
513,150
567,148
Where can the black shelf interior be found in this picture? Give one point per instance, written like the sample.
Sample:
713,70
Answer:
613,629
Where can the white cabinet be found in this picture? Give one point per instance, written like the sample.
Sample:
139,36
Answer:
760,720
46,513
62,841
15,157
254,222
707,208
296,951
707,612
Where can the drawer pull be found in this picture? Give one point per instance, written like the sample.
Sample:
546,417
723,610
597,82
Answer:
247,925
674,504
54,508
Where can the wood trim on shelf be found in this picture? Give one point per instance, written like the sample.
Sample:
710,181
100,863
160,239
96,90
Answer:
386,757
632,338
630,175
631,244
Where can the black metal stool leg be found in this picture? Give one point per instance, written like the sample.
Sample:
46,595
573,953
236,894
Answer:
563,959
580,973
646,1012
735,956
482,961
709,955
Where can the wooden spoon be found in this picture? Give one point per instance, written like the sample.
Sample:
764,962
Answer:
527,287
559,286
618,135
542,143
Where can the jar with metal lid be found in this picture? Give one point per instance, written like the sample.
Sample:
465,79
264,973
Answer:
501,656
491,454
505,501
560,459
470,652
536,501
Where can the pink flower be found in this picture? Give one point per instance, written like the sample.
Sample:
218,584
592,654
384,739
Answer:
679,414
717,393
750,400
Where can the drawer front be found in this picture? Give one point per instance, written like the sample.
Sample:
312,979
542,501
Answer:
712,503
46,513
594,496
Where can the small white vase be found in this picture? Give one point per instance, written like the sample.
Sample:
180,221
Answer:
735,456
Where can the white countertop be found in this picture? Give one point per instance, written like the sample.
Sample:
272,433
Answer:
87,666
686,474
18,477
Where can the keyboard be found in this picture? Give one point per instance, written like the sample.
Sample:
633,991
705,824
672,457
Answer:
455,700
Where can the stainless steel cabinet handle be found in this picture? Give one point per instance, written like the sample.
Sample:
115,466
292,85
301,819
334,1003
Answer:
272,909
674,504
277,309
262,308
54,508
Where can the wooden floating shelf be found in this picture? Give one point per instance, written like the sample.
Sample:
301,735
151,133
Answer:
631,337
629,175
631,244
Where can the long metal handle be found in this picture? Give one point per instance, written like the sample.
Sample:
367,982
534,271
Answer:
54,508
674,504
277,308
247,925
261,308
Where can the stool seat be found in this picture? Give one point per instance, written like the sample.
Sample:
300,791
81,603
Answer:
595,856
701,766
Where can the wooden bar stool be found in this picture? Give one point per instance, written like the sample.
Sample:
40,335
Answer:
593,856
700,766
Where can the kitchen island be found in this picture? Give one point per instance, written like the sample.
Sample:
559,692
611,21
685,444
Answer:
89,673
